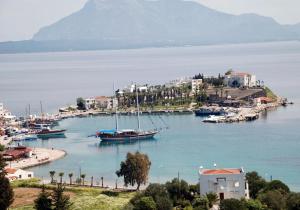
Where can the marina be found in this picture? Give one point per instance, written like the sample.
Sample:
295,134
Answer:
188,142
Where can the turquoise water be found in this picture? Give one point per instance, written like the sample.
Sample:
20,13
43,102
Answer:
269,145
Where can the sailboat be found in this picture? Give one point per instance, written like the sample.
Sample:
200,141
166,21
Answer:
117,135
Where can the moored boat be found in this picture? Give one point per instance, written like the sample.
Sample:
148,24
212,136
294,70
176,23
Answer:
116,135
214,119
206,111
47,133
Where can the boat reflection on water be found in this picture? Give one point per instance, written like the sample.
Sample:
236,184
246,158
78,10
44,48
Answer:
128,142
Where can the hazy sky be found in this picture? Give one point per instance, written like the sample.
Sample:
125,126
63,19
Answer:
20,19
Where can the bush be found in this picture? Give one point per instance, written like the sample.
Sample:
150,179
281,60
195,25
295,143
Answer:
110,193
253,204
200,203
2,148
293,201
232,204
178,190
277,185
273,199
145,203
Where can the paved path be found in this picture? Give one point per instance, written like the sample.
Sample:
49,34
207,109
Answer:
40,156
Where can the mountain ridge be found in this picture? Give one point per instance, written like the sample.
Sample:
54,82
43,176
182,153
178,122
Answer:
138,23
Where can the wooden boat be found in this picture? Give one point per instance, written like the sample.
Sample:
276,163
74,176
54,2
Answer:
116,135
47,132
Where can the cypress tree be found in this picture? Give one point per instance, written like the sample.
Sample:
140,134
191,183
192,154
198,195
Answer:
60,201
6,191
43,202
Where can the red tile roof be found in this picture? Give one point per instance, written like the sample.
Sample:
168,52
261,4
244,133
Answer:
10,170
266,99
221,171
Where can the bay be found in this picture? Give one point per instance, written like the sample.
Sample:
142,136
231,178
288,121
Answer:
269,145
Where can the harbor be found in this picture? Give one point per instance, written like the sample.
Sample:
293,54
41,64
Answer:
273,131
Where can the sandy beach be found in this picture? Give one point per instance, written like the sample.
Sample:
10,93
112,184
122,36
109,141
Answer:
39,156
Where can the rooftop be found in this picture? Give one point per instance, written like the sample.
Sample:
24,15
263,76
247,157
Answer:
220,171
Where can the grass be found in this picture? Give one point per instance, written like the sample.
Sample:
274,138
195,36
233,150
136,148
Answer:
84,197
270,93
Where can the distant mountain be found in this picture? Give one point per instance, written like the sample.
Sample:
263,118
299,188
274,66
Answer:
138,23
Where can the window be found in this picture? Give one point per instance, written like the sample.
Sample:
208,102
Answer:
236,184
29,175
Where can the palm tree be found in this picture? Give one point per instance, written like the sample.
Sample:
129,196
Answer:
52,173
82,177
212,199
61,174
70,176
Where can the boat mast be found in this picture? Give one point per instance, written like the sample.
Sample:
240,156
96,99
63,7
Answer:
138,108
116,108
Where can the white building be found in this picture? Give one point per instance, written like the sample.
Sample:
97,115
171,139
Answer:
178,82
89,103
196,84
226,183
6,115
240,79
14,174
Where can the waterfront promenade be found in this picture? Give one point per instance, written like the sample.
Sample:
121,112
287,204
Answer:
40,156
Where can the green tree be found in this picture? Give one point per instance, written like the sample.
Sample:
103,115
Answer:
274,200
80,103
60,201
200,203
160,196
232,204
277,185
145,203
52,173
6,191
256,183
212,199
2,165
61,174
43,202
135,169
293,201
178,190
253,204
70,177
82,177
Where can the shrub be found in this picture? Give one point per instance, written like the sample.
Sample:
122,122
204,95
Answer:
232,204
293,201
110,193
277,185
273,199
145,203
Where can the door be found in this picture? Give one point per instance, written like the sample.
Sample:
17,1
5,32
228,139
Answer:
221,195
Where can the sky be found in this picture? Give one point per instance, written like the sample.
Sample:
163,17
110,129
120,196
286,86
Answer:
21,19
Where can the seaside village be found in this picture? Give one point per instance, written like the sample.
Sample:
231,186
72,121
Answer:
232,97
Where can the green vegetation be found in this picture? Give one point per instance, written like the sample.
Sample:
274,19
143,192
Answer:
44,201
34,183
6,191
60,201
135,169
80,103
2,148
270,94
